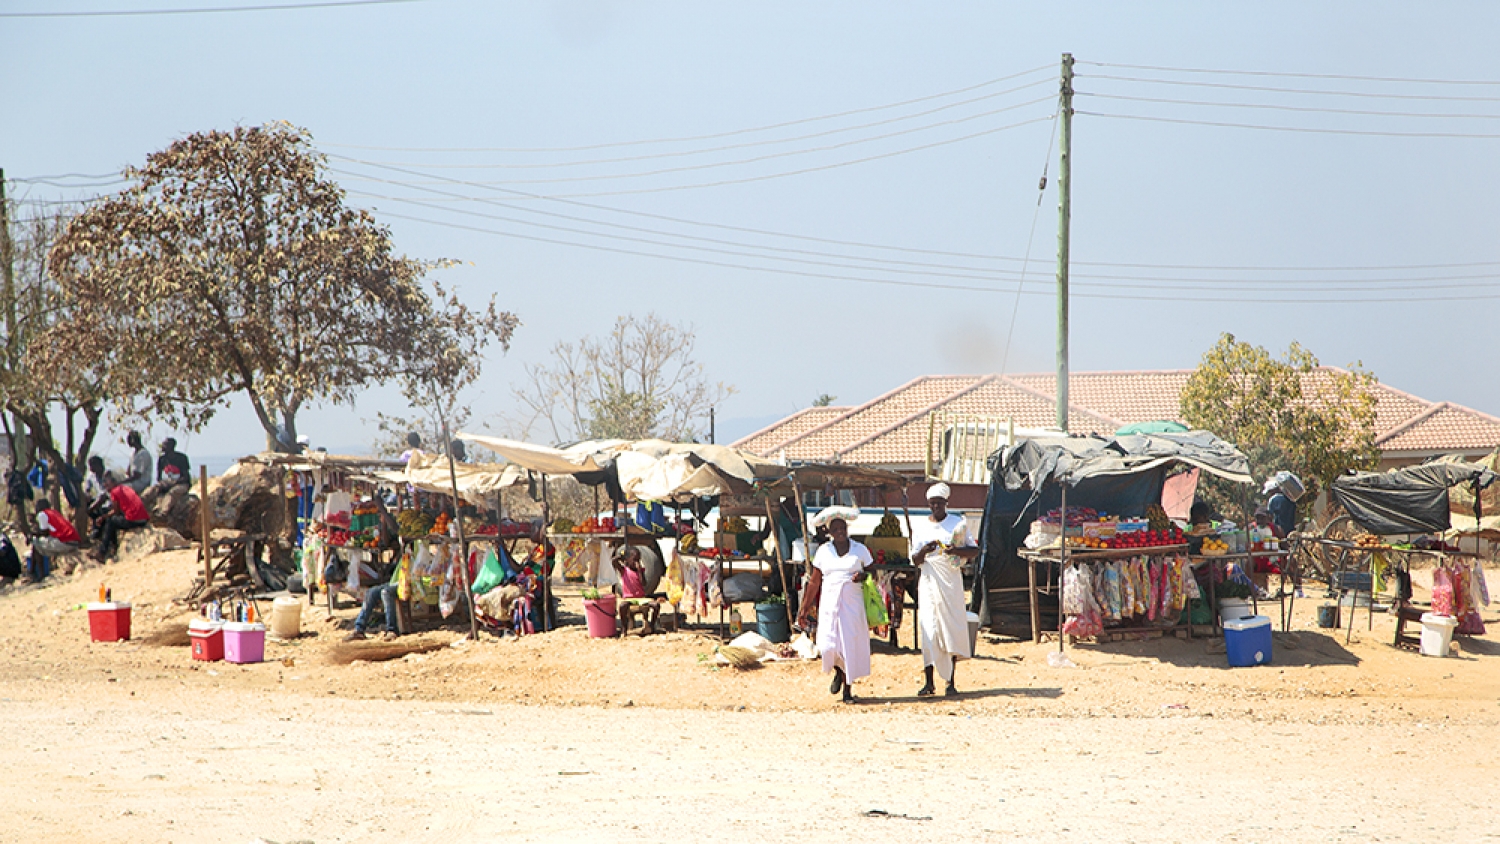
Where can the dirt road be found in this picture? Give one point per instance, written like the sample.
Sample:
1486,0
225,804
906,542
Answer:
559,737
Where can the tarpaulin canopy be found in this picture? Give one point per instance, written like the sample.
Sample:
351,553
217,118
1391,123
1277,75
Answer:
476,481
1072,459
839,476
1412,499
642,470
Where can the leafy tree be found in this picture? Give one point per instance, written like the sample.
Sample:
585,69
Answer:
642,380
1284,413
231,266
824,400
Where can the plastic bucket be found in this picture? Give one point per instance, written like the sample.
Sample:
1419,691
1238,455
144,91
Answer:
286,617
973,618
1437,634
1328,616
600,615
1233,608
772,621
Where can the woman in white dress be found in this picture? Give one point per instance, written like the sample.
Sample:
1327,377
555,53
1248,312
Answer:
838,571
940,546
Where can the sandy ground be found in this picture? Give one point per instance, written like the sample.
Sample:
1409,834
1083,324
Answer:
561,737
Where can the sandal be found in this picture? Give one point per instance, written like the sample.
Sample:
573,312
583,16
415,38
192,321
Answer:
926,691
837,685
951,691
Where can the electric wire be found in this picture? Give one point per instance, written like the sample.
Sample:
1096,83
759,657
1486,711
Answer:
1283,107
1305,91
706,137
204,10
945,285
1289,74
1295,129
748,144
1036,214
690,168
930,268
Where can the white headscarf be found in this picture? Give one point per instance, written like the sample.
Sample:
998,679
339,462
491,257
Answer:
828,514
939,490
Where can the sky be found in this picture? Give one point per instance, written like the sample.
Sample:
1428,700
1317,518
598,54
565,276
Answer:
840,197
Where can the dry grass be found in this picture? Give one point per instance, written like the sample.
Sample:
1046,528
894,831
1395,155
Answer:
345,653
171,636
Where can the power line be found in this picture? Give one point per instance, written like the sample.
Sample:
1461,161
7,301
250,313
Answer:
748,144
707,137
800,172
1305,91
941,285
1286,74
1305,129
688,168
824,240
1113,282
277,7
94,176
1304,109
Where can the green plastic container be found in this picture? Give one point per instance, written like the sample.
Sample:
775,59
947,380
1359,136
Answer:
772,622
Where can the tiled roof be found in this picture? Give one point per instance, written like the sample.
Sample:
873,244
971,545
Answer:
893,429
768,439
1443,427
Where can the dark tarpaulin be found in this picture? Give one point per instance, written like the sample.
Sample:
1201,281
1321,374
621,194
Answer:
1118,475
1413,499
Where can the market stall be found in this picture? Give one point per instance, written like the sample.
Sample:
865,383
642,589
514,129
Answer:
1402,503
1074,525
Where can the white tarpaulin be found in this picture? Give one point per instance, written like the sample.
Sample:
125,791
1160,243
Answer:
587,456
476,481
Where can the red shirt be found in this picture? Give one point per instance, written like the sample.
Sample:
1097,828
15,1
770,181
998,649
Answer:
128,502
59,528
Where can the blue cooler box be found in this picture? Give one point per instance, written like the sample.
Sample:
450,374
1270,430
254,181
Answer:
1247,641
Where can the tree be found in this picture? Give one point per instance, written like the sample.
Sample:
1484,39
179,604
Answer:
37,376
642,380
231,266
824,400
1286,413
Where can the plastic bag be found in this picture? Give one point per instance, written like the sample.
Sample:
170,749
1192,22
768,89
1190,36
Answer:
1442,592
875,614
491,574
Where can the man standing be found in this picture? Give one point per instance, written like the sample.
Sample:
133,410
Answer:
141,464
1282,508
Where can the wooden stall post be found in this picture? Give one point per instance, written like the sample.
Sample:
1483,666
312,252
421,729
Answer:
916,618
203,528
548,622
1062,567
463,541
1036,610
806,538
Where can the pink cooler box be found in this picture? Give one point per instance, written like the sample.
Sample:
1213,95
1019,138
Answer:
109,622
244,641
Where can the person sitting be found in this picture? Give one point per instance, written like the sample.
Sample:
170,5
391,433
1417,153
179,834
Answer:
384,596
139,476
172,467
55,537
10,562
636,602
126,511
96,482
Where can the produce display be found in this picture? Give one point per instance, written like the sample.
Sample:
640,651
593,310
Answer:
1368,540
1157,518
889,526
688,544
1129,539
734,524
595,525
413,523
1214,547
1076,516
562,526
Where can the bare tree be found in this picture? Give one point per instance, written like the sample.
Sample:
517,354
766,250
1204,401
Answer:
641,380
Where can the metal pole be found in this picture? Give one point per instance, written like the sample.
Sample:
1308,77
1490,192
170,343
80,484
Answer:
548,622
204,523
1062,567
1064,214
458,519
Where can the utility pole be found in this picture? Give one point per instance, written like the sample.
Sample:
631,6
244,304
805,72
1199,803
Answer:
8,302
1064,214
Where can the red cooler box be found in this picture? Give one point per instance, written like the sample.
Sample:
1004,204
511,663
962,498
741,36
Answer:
109,622
208,640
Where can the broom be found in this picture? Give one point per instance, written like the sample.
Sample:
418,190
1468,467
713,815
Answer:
741,658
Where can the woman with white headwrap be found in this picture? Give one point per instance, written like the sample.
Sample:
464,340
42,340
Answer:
838,571
940,545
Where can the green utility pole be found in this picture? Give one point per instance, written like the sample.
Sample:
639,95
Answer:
8,303
1064,213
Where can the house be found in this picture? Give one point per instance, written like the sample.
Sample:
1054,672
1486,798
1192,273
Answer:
903,429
